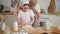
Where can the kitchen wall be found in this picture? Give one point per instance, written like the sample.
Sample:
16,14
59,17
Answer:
7,4
43,4
57,5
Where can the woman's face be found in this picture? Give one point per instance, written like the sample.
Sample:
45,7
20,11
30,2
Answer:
25,8
32,4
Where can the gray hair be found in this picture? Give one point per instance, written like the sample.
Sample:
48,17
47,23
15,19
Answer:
34,0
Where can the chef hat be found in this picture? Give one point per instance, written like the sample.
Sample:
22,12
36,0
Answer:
25,3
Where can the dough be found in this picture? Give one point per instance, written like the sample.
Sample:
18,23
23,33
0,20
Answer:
27,27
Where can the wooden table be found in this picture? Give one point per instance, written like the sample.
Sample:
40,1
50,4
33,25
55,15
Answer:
31,31
1,32
57,32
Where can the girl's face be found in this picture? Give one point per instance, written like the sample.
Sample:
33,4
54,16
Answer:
25,8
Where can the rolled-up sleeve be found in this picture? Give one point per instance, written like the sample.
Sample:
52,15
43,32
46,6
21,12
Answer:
37,8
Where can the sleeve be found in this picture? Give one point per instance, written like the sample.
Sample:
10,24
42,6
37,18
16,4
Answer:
37,8
31,13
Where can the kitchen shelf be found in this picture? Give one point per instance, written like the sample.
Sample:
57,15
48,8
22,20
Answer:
7,13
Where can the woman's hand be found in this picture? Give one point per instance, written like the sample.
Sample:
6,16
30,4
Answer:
37,24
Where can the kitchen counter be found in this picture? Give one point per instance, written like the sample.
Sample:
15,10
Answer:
7,13
57,13
11,13
31,31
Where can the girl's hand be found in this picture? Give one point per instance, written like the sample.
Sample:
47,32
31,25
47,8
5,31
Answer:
29,24
19,21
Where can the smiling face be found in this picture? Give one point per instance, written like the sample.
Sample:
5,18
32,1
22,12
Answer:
32,3
25,8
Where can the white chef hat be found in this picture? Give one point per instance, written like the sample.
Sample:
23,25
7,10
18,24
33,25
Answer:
24,0
25,3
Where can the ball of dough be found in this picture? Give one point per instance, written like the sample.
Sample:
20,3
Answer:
27,27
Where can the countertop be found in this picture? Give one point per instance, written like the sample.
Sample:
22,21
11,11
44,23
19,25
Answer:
31,31
11,13
7,13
